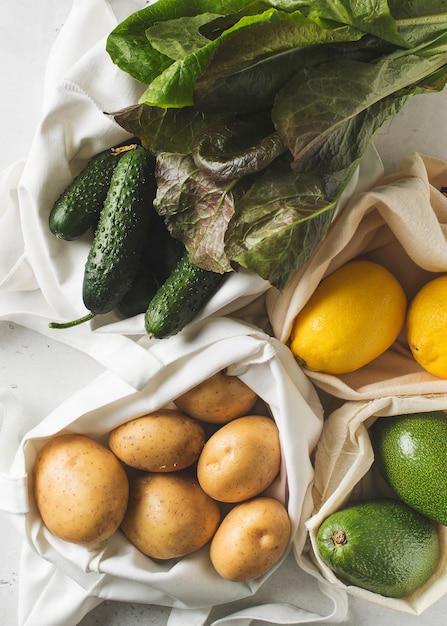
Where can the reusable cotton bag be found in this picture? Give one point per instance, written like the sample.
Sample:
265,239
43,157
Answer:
40,275
401,223
60,582
345,473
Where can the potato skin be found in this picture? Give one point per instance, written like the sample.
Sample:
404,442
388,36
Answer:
169,515
163,441
241,459
218,399
80,488
251,539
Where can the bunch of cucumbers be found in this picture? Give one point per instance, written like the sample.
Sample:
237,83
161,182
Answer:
134,265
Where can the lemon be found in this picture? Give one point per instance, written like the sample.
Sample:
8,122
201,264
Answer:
426,326
353,316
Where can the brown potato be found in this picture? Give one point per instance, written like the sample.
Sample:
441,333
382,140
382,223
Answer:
251,539
163,441
169,515
80,488
241,459
217,400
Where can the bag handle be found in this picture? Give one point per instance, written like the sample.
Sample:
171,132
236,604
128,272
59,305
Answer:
270,613
120,354
136,362
206,334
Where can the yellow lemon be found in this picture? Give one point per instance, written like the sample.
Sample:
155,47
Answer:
426,326
353,316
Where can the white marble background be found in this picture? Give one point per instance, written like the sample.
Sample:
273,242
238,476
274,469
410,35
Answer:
35,368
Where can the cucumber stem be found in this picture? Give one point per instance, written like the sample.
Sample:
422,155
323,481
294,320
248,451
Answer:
120,149
76,322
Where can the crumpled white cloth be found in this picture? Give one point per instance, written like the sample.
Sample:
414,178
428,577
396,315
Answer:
40,275
60,582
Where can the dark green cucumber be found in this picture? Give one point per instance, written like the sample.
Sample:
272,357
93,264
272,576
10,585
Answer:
160,255
78,207
142,289
114,256
180,298
163,252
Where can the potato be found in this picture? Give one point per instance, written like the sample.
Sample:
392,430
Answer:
163,441
241,459
169,515
251,539
218,399
81,489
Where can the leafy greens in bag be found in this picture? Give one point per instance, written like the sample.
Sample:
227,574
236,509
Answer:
322,76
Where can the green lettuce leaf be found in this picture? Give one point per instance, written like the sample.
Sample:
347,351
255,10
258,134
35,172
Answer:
246,71
280,220
369,16
129,47
160,129
175,85
320,112
180,37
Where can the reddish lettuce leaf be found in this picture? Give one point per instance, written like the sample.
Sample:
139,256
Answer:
197,210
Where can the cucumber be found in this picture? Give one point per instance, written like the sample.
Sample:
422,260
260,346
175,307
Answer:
141,291
164,252
114,257
180,298
115,254
78,207
160,255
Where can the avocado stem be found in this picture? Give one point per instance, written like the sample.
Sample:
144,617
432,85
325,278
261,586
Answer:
76,322
339,537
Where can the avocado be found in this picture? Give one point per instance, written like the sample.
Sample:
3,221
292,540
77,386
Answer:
381,545
411,454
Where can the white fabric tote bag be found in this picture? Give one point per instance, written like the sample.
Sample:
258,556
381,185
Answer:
60,582
40,275
401,223
345,473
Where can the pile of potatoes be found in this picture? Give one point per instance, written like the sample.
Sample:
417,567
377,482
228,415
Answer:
174,480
